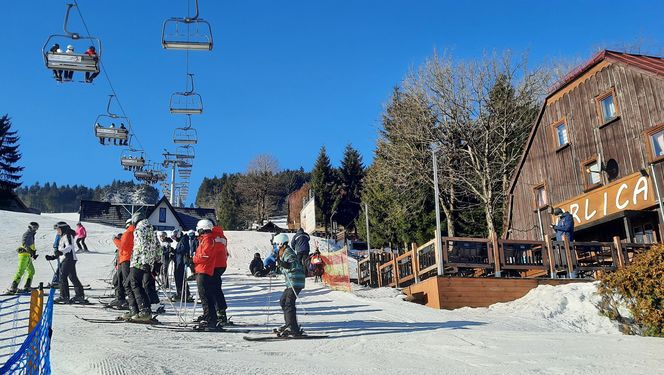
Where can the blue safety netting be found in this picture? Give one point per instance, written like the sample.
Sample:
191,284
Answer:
34,355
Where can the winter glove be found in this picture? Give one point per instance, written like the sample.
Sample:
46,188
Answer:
58,253
34,256
50,257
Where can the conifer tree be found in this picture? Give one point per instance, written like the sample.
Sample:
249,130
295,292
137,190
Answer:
228,209
10,173
323,182
351,174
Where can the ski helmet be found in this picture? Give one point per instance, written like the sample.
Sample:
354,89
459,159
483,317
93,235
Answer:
204,224
280,239
33,226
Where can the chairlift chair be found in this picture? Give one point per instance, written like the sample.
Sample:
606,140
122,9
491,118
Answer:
77,62
185,153
186,102
189,33
132,159
110,126
186,135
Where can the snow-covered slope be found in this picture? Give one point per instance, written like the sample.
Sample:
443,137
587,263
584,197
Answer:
552,330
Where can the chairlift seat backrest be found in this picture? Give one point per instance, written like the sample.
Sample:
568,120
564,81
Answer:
113,133
132,162
187,34
73,62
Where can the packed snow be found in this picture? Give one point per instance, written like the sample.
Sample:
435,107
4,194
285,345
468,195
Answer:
552,330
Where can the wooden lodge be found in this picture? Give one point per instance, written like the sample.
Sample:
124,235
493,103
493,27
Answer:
594,152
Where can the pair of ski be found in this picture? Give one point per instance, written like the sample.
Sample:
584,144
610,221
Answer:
27,293
280,337
155,324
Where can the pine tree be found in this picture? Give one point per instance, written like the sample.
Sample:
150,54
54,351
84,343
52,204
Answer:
323,183
9,172
351,174
229,204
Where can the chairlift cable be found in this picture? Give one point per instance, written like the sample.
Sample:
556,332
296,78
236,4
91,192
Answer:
108,80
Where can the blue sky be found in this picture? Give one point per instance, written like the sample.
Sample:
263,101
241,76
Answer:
284,78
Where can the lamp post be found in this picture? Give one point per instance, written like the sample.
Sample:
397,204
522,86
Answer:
439,242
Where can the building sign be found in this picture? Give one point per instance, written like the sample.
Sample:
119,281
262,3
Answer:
634,192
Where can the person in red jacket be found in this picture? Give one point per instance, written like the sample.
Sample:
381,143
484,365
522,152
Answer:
204,265
219,269
92,52
125,245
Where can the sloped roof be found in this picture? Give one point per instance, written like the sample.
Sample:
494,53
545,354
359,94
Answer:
190,216
168,204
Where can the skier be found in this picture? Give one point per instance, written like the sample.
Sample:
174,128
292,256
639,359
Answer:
316,266
204,263
92,52
81,234
293,272
193,244
55,281
150,275
180,271
300,244
68,265
221,262
143,257
256,265
57,74
26,253
125,245
166,256
69,74
270,262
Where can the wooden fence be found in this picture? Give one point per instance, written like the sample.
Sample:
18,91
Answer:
479,257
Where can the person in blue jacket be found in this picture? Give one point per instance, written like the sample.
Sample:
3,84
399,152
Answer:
565,225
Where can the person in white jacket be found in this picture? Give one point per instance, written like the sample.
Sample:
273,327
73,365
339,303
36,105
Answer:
66,250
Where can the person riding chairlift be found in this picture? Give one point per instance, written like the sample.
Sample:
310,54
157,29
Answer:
57,74
69,74
92,52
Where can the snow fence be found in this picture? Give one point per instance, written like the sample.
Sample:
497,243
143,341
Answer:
34,355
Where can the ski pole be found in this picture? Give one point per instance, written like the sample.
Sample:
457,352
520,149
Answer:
269,301
297,298
177,312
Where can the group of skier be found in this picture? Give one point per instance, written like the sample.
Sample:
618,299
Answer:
143,258
63,251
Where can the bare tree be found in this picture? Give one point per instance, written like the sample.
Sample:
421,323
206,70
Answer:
259,185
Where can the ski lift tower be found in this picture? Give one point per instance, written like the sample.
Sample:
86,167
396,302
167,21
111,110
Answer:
170,160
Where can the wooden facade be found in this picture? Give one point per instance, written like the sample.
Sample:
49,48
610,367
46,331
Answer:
591,153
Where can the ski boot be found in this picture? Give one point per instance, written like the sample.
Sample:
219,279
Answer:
129,315
159,308
199,319
13,288
28,286
175,298
204,326
80,300
145,316
222,319
279,330
62,300
288,332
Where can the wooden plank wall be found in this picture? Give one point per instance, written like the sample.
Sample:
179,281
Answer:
640,98
456,292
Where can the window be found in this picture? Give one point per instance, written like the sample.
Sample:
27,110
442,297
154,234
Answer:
541,200
592,170
608,107
655,140
644,234
162,214
560,134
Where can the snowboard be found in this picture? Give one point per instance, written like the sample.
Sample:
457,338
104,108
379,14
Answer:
284,338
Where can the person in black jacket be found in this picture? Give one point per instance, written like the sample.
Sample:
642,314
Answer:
256,266
300,244
182,250
68,265
167,253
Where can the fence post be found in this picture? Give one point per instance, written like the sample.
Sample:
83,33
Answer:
36,307
570,261
552,259
395,271
619,251
496,254
415,262
379,276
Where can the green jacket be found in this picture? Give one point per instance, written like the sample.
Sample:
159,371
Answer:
292,269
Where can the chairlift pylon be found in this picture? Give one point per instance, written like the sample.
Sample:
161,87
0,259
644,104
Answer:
186,102
111,126
188,33
58,61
